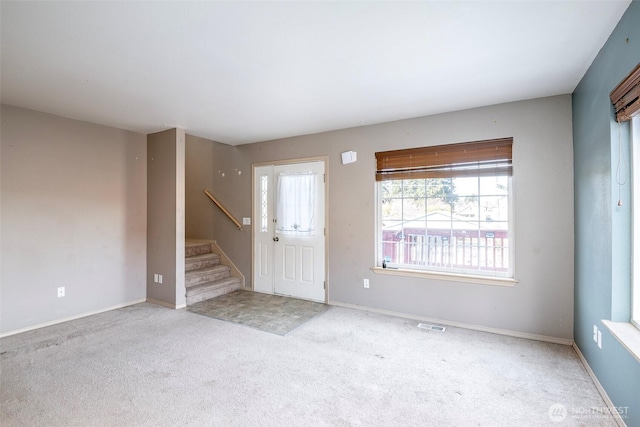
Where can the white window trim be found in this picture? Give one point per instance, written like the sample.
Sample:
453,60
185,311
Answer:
635,221
627,334
452,277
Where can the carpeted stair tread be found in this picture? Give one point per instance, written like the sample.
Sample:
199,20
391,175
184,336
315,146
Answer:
208,274
197,262
208,290
196,248
196,289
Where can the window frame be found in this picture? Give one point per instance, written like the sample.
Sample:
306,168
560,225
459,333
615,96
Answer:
473,275
635,220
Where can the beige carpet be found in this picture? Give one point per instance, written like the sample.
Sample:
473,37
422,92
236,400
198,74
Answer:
147,365
269,313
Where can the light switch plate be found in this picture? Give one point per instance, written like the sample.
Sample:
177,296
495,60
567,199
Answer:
246,221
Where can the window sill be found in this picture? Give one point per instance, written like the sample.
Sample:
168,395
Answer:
627,334
466,278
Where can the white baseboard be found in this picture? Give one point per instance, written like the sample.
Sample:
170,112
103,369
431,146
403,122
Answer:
67,319
601,389
166,304
507,332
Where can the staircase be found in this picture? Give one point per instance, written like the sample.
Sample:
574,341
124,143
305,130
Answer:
205,276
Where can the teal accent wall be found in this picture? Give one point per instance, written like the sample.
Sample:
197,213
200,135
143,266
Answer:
602,228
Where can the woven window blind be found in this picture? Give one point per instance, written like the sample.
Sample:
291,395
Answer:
479,158
626,96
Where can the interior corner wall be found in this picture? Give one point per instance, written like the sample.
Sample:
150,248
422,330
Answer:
540,304
208,167
166,217
200,155
602,228
73,215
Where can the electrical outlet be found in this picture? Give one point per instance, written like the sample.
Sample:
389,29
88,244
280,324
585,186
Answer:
60,291
366,283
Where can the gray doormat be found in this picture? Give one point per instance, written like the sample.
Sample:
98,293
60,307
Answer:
270,313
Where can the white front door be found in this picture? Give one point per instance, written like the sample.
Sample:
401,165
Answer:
289,230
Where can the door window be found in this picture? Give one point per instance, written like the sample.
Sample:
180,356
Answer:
295,206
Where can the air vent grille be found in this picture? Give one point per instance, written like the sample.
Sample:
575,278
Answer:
431,327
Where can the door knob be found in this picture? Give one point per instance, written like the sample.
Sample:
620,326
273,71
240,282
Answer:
276,239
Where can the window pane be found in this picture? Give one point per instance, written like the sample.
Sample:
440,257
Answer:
391,189
413,188
392,209
392,237
466,186
441,190
295,205
466,208
494,208
438,211
450,224
494,251
438,249
413,209
494,185
264,204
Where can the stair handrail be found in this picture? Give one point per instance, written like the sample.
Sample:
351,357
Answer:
223,209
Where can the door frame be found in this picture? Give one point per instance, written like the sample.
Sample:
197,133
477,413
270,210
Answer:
325,160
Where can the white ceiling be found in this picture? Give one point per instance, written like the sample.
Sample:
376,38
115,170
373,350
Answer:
242,72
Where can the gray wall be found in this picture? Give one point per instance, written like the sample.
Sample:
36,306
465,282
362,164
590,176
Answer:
73,214
602,228
542,303
166,216
224,171
199,155
207,168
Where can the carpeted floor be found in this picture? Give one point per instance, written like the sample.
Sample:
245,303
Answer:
147,365
268,313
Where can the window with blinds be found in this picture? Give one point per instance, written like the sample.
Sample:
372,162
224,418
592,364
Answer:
626,96
492,157
446,208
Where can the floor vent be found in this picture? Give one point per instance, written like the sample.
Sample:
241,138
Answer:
431,327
